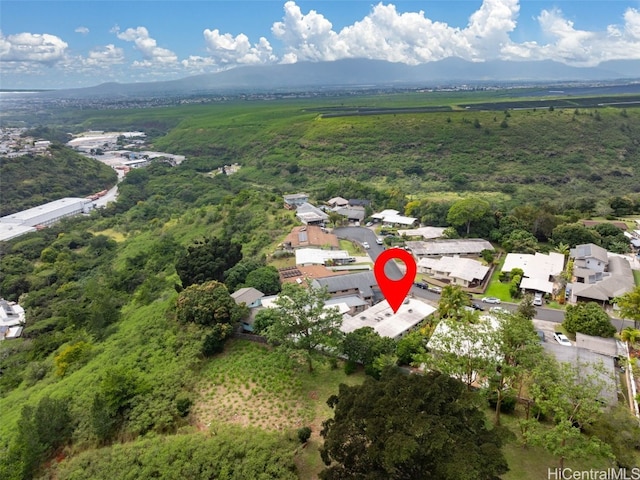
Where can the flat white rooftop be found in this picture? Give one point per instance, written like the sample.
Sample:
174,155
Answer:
24,216
388,324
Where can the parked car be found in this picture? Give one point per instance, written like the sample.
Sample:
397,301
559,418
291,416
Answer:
537,299
562,339
365,245
490,300
369,224
434,289
477,306
422,285
498,310
540,334
379,241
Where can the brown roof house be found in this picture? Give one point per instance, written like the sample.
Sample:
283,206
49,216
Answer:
311,236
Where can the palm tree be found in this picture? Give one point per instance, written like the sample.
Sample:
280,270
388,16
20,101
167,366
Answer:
452,300
631,336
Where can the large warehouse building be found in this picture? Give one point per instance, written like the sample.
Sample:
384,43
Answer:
26,221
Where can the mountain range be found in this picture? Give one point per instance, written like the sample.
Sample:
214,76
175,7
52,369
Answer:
363,73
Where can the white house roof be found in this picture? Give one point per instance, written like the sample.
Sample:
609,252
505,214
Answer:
456,267
428,233
393,216
26,217
449,247
388,324
11,314
317,256
538,269
310,213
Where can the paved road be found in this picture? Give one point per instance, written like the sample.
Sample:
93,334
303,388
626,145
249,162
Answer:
362,234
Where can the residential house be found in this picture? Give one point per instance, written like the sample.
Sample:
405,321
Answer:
465,272
249,296
357,202
352,214
338,202
598,276
385,321
317,256
294,200
362,285
427,233
310,214
393,218
12,319
540,270
301,274
468,247
311,236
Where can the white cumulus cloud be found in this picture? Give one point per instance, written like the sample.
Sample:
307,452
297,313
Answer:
148,47
226,49
32,47
82,30
105,56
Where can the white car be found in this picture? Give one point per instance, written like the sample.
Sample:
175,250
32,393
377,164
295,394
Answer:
379,241
490,300
562,339
365,245
498,310
537,300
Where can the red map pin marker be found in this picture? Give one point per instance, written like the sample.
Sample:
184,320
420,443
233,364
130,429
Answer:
395,291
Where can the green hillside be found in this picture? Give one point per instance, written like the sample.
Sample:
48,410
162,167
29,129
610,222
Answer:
32,180
104,359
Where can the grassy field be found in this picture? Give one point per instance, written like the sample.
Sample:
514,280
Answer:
251,384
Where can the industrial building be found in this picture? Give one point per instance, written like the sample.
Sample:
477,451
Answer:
19,223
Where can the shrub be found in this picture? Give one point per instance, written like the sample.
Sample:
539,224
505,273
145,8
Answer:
304,434
350,367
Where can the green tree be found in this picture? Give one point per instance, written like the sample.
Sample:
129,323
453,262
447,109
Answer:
409,346
41,431
208,260
303,323
520,241
364,345
588,318
630,335
526,309
265,279
629,305
463,350
620,430
573,234
208,304
452,302
570,397
408,427
237,275
467,211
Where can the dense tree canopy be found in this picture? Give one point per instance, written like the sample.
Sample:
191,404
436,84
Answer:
208,260
629,305
409,427
467,211
588,318
208,304
364,345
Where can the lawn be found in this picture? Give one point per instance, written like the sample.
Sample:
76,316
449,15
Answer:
351,247
497,288
636,276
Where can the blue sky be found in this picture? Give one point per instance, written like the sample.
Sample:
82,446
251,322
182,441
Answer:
59,44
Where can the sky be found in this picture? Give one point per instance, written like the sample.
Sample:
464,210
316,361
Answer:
68,44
